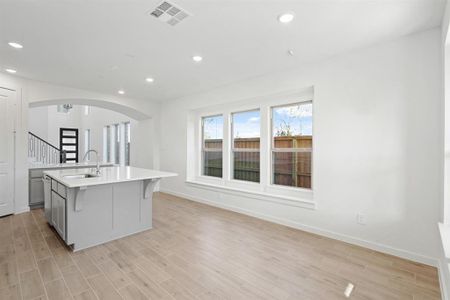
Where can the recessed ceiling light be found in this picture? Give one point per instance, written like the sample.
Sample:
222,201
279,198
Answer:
149,79
197,58
15,45
12,71
290,52
121,92
286,18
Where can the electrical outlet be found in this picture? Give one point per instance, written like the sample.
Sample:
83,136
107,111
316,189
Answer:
361,219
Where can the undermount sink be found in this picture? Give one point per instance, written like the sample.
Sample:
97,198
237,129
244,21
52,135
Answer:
80,176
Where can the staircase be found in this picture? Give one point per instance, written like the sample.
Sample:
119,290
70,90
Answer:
41,151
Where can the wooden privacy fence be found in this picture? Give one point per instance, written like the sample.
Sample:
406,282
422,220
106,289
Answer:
290,168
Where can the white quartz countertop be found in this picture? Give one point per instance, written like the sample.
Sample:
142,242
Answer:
108,175
37,166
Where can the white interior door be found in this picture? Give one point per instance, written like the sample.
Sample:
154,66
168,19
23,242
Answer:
7,100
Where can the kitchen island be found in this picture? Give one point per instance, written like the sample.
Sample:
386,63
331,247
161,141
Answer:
87,210
36,179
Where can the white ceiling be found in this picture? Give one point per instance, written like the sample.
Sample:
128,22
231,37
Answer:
107,45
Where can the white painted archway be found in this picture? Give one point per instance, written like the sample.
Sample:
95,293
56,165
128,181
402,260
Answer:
114,106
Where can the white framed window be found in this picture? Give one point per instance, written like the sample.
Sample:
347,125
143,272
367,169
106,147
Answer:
87,142
245,145
291,145
127,140
112,143
212,146
260,147
106,144
117,143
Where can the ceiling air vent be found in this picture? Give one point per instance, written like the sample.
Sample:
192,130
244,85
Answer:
169,13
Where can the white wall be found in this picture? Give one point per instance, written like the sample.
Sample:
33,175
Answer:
35,124
376,145
445,215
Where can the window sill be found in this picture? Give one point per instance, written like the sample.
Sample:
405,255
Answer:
263,196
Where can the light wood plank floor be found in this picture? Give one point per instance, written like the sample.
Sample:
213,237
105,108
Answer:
201,252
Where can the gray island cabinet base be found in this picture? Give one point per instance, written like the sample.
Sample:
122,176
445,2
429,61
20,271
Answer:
89,215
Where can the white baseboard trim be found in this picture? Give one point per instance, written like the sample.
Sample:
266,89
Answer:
442,282
327,233
22,210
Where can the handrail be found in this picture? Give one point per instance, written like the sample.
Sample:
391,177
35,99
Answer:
42,140
41,151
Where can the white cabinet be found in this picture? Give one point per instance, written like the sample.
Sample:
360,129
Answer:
58,216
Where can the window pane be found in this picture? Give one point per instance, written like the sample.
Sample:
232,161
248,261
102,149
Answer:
127,143
213,132
108,144
246,136
87,142
246,129
292,169
69,140
292,129
116,144
290,123
69,132
105,144
212,146
212,163
246,166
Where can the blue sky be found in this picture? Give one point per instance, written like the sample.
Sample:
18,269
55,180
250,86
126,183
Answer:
247,124
297,117
213,127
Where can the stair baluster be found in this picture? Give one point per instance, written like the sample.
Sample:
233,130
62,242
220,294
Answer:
42,151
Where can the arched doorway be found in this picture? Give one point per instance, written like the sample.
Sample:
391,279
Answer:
139,122
114,106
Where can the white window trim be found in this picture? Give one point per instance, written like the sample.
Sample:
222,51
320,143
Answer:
269,197
264,190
